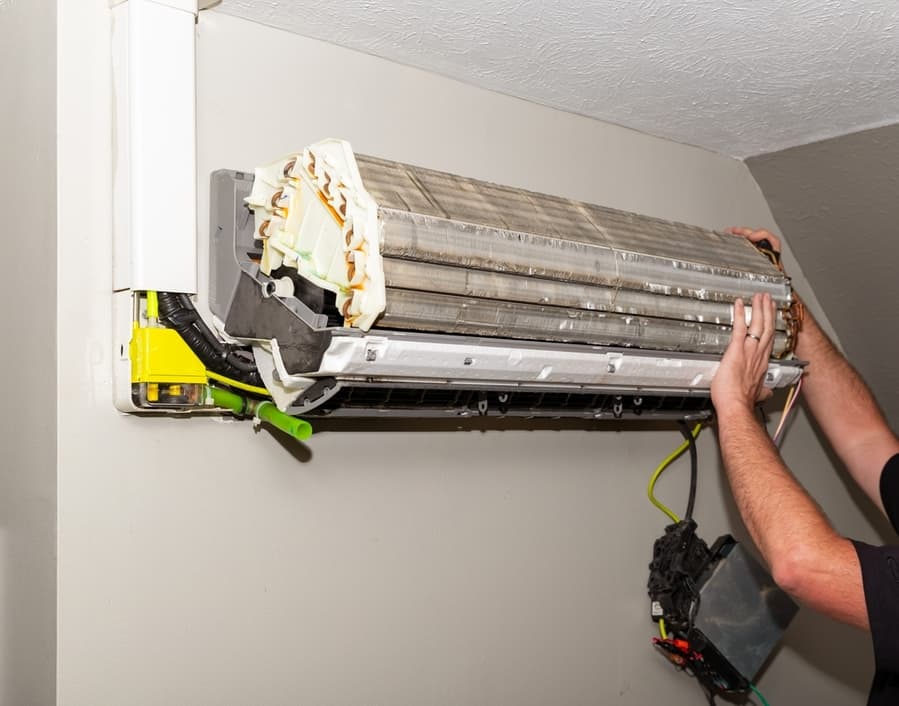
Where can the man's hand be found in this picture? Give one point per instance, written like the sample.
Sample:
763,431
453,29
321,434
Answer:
833,392
740,380
756,235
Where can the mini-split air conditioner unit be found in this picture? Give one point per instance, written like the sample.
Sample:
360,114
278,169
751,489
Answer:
346,285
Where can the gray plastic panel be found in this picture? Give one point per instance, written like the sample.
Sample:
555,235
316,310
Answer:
231,236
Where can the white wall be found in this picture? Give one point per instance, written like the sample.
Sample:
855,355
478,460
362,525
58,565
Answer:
203,563
28,325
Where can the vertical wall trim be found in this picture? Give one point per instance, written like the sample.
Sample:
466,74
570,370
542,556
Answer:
155,136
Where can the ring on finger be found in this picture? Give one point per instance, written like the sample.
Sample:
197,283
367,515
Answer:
752,335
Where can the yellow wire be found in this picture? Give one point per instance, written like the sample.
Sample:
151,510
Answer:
152,305
237,384
650,491
783,415
662,630
789,398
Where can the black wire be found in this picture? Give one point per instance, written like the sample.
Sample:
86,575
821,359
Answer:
178,312
188,306
189,315
685,430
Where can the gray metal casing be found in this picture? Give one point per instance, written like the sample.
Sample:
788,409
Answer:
742,611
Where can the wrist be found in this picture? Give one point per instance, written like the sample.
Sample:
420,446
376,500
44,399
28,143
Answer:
734,409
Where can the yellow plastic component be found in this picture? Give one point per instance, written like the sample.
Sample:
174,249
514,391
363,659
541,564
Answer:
161,355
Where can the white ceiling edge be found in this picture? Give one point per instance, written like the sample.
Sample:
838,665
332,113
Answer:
824,137
737,77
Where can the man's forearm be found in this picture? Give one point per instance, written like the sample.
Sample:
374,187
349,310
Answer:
778,513
806,556
845,409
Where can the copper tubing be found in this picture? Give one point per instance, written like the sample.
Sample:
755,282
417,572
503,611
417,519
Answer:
794,316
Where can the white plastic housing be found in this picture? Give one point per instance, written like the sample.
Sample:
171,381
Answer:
154,189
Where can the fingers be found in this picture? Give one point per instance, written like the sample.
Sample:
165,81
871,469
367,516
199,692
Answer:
756,327
740,378
739,332
760,341
762,321
754,235
769,321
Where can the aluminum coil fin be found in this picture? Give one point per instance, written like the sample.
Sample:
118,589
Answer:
413,249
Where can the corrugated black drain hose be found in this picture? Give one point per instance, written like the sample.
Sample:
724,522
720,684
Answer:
178,312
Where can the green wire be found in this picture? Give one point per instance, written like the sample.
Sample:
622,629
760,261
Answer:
759,694
650,491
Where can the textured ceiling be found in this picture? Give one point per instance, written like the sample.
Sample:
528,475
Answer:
741,77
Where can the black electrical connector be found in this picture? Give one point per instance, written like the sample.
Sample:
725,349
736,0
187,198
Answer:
680,564
679,558
764,246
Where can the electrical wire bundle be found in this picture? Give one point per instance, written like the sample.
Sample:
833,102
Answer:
789,405
689,442
680,560
224,362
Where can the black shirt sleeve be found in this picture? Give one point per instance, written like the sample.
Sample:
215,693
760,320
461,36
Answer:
889,490
880,576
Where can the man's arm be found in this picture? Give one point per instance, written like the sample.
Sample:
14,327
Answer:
840,401
808,559
845,409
